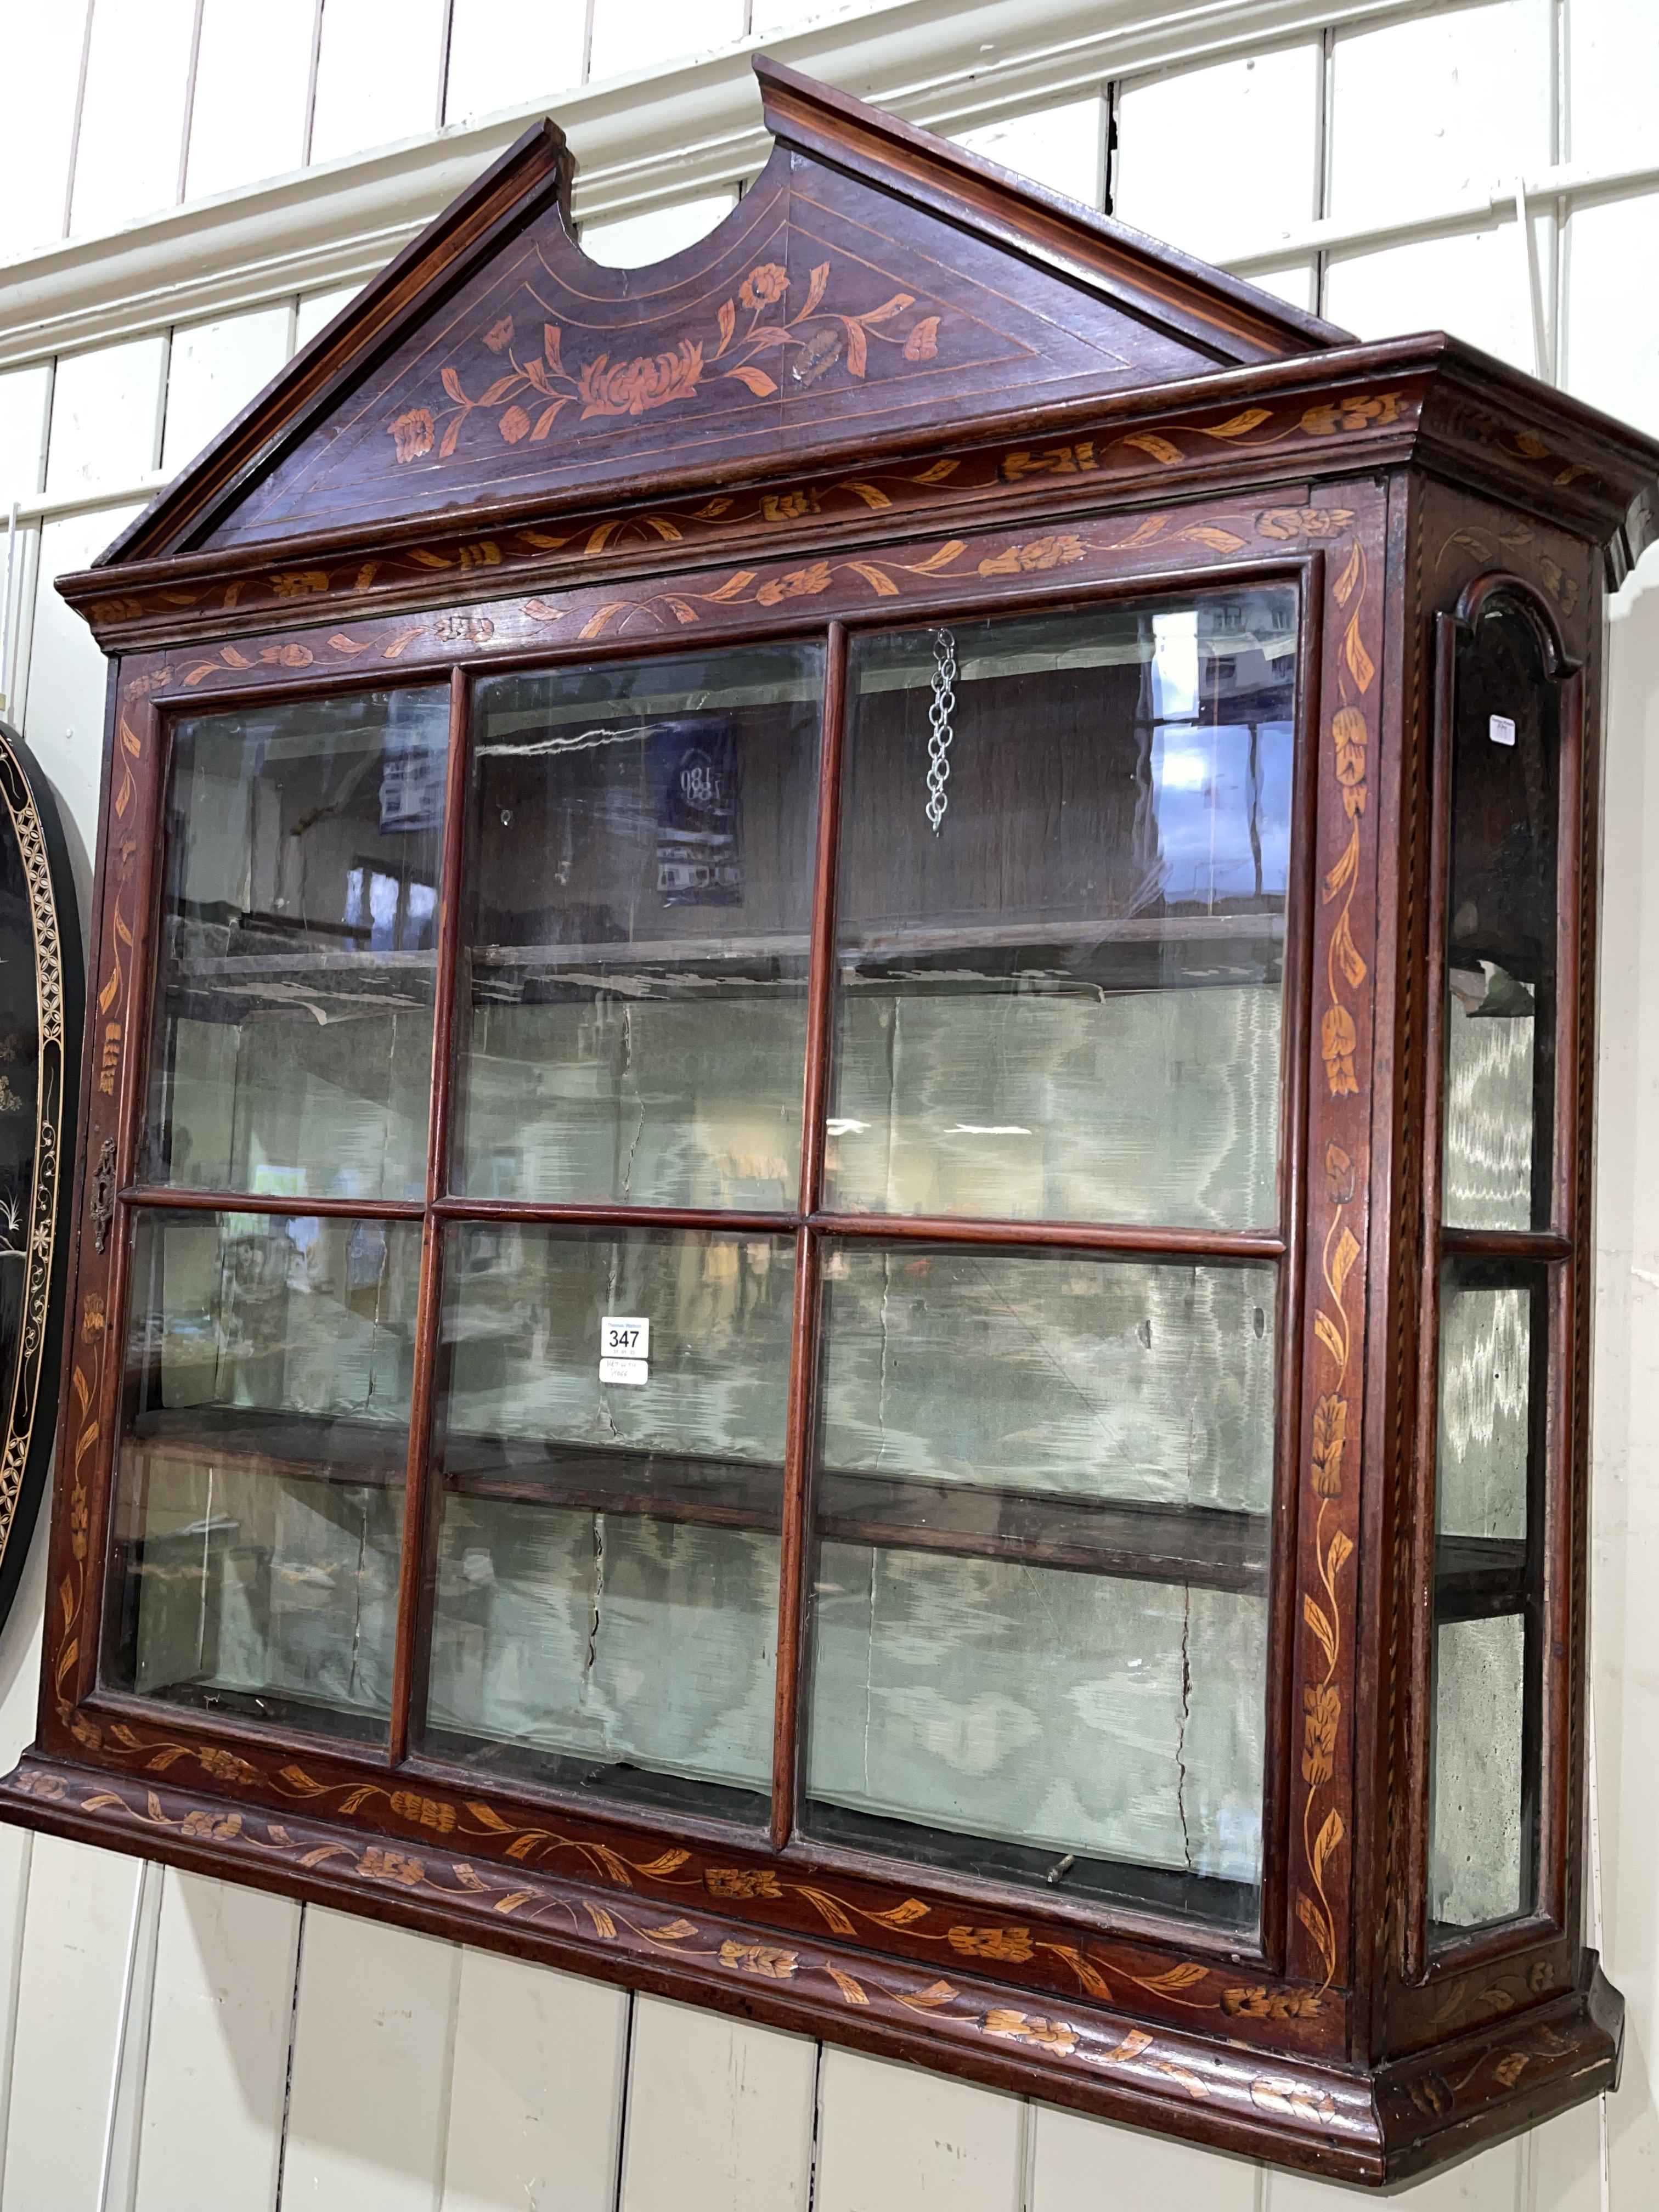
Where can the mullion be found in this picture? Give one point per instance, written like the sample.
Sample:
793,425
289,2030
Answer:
794,1540
412,1623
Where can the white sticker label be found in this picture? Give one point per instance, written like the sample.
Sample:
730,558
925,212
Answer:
636,1373
1501,730
624,1336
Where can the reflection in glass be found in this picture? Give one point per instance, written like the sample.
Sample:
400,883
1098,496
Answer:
260,1477
1488,1592
1039,1617
1066,1003
641,888
292,1053
1501,917
607,1553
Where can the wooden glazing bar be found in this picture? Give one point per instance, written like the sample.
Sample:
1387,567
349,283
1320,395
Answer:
161,1196
599,1215
1517,1245
1172,1244
409,1662
1414,1918
794,1544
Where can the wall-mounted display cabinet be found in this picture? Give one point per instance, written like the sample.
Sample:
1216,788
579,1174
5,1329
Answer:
834,1250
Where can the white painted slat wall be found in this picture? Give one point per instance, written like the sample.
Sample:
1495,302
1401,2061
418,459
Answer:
169,2042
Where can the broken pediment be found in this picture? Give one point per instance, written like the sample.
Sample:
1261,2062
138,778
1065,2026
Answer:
874,282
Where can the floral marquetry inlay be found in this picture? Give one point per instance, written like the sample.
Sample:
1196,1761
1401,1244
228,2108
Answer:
758,326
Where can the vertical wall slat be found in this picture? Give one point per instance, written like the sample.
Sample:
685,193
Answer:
133,2050
893,2139
77,1931
1490,2182
369,2095
16,1847
218,2049
1074,2159
719,2114
536,2093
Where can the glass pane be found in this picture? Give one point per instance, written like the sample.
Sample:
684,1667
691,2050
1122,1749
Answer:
1501,920
259,1501
1479,1861
1494,1329
1485,1370
1065,1002
607,1556
641,873
292,1042
1039,1599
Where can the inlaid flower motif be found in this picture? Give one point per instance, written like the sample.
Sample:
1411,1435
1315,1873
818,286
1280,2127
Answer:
1330,1435
499,336
392,1866
1351,414
424,1812
413,433
741,1882
1322,1712
1348,737
52,1787
1053,2035
788,506
1303,521
1338,1041
1261,2003
799,584
221,1828
990,1942
78,1521
297,583
225,1766
761,286
759,1958
1037,553
633,387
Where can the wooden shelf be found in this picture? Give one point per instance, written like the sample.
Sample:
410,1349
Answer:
1211,1547
377,980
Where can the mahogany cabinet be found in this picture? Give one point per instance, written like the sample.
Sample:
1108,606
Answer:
834,1244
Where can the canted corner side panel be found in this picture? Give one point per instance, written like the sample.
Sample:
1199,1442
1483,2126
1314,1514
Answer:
1515,1977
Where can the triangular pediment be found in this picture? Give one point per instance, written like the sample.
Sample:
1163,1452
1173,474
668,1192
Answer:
873,282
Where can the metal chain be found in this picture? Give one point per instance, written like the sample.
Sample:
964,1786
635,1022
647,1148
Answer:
939,730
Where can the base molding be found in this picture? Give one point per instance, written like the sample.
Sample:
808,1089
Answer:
1379,2129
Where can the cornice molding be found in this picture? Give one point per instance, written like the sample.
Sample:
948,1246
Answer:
640,141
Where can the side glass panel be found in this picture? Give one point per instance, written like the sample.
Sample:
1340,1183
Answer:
1502,930
1060,930
606,1579
292,1046
1039,1616
639,894
1489,1515
260,1477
